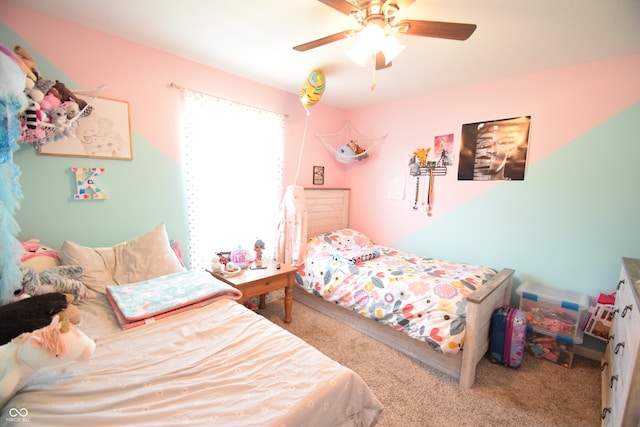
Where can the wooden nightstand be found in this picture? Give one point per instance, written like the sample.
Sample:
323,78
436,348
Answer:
260,282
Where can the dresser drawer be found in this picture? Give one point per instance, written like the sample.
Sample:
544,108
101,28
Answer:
627,316
620,375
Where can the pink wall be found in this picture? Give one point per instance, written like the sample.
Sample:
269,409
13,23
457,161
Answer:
97,58
564,103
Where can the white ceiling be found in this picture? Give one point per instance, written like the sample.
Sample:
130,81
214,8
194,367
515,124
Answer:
254,39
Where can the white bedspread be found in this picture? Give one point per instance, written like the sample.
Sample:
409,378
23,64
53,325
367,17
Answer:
219,365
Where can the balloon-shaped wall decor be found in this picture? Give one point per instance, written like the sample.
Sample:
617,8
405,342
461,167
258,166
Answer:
312,89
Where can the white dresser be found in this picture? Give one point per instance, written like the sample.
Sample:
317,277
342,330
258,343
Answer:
621,363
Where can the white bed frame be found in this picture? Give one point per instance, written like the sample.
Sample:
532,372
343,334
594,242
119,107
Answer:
327,210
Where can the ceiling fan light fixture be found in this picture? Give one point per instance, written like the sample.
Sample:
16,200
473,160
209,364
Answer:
356,56
370,41
366,48
391,48
371,38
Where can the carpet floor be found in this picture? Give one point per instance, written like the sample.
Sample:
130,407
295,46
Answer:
539,393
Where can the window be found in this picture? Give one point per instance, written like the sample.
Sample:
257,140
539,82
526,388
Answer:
233,156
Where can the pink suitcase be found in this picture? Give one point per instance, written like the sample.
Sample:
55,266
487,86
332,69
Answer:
508,336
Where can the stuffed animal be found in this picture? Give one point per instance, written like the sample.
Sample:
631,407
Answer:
421,155
58,118
30,314
56,344
27,59
357,150
64,94
42,273
63,278
39,256
49,102
34,96
72,108
45,96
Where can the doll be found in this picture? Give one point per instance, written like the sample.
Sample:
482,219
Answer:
258,247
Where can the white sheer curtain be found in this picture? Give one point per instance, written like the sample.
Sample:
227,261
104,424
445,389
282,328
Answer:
233,156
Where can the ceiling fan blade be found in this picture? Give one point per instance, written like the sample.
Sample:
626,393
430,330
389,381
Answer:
441,30
325,40
342,6
381,61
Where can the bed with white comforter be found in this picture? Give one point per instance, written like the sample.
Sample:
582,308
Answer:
217,364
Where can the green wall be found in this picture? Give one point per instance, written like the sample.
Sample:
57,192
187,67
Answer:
590,186
141,193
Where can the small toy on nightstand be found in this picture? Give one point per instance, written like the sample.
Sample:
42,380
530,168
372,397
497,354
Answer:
216,264
258,246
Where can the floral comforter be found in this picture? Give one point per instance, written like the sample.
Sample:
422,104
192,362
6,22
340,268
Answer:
423,297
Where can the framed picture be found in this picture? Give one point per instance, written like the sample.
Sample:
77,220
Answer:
494,150
318,175
104,133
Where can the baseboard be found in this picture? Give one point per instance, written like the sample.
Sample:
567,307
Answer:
589,353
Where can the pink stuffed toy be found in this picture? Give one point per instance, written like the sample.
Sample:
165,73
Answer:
49,102
33,248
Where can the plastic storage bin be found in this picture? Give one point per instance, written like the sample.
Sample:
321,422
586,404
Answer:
554,312
554,348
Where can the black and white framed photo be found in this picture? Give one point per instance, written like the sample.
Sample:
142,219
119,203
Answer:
494,150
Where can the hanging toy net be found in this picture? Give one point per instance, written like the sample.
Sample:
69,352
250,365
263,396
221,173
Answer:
59,123
348,145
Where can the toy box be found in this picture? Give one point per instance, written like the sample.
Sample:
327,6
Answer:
557,349
553,311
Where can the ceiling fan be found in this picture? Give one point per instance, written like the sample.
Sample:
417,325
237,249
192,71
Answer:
381,14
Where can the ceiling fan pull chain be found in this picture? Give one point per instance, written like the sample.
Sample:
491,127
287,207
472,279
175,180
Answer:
373,72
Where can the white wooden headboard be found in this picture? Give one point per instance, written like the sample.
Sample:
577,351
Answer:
327,209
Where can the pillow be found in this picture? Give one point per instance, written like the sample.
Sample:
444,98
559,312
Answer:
97,264
346,238
145,257
135,260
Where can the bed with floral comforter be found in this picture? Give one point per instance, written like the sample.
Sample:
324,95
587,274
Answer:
423,297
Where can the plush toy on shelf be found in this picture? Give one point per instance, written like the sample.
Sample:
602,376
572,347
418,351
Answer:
346,153
63,93
358,150
58,343
28,60
53,108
